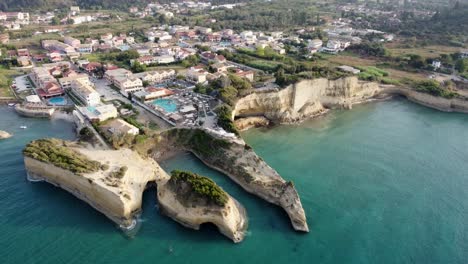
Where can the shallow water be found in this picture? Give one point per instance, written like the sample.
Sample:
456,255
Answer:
383,183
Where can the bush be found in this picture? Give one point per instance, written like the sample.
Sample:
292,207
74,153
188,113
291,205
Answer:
434,88
56,152
224,113
201,186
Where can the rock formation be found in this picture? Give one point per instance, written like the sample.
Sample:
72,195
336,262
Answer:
179,200
236,160
113,182
440,103
4,134
251,122
115,188
305,99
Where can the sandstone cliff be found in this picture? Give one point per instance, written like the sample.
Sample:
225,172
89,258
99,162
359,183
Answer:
305,99
251,122
116,196
236,160
117,192
436,102
178,200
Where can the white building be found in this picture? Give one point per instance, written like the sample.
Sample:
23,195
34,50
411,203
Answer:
85,92
99,113
120,127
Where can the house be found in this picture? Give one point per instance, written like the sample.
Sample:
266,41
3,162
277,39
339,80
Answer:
124,80
212,57
146,60
164,59
133,9
121,127
23,52
156,76
75,9
220,67
128,84
249,75
91,67
84,48
72,41
23,61
197,74
436,64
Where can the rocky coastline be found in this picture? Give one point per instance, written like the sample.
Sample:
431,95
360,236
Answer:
236,160
117,192
311,98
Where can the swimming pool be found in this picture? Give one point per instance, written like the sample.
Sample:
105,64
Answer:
168,105
57,100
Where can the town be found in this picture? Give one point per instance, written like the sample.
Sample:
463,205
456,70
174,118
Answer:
173,74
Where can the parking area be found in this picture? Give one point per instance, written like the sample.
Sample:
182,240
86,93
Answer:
22,84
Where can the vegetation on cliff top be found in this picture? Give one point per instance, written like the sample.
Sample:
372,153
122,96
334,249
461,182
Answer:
224,113
198,141
199,185
56,152
434,88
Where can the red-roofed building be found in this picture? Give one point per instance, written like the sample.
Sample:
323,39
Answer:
51,89
92,66
249,75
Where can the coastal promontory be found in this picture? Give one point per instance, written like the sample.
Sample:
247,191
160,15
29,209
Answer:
234,158
113,182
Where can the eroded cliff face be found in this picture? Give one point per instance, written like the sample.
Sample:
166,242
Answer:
436,102
239,162
117,197
305,99
231,219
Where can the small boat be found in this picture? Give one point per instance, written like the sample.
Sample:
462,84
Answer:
23,127
11,104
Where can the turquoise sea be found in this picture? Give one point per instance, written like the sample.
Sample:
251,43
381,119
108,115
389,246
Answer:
384,183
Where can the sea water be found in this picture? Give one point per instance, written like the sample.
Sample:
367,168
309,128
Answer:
383,183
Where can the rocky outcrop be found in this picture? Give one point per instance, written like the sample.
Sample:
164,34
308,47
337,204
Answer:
251,122
179,201
236,160
305,99
116,195
4,134
440,103
116,188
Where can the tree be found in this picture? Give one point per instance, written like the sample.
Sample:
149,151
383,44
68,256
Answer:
461,65
138,67
55,21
